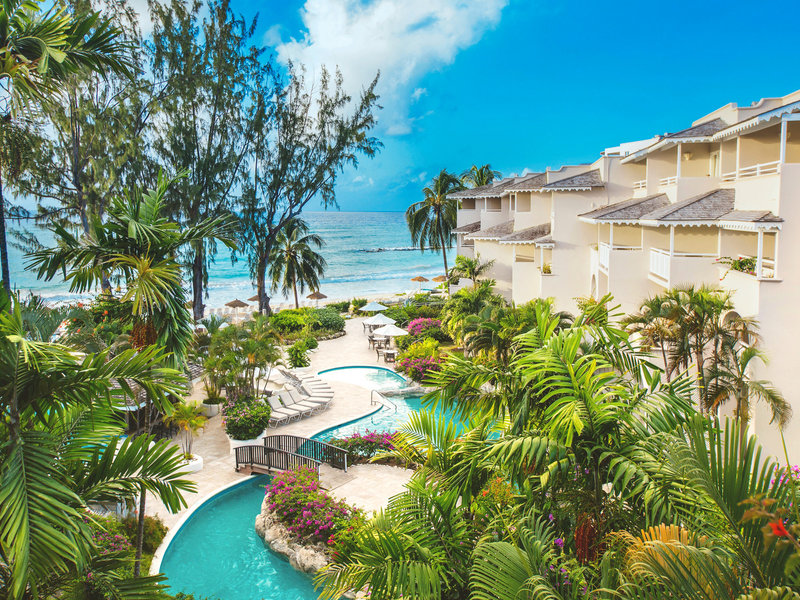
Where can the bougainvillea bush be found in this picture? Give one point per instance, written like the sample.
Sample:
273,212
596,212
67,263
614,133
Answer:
418,368
298,502
245,419
362,447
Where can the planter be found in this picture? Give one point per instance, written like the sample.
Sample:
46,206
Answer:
210,410
259,441
194,464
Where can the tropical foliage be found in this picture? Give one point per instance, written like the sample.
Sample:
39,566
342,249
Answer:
294,263
572,467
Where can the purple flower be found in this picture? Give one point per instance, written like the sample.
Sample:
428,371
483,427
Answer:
559,542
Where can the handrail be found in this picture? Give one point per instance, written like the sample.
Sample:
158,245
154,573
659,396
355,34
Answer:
313,449
640,185
372,401
767,168
668,180
273,458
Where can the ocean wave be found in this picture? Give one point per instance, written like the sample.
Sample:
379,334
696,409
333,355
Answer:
399,249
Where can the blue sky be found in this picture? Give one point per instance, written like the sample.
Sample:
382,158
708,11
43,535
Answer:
523,84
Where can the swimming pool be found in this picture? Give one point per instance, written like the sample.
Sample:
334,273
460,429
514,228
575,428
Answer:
384,418
372,378
217,553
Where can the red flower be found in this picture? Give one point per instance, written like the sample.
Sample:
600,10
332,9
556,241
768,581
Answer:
778,529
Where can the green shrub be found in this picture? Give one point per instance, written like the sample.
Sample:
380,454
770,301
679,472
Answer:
298,356
399,314
288,321
423,311
109,535
326,318
339,307
426,348
357,303
154,532
246,418
311,342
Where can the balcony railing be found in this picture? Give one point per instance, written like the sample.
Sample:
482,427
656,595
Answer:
640,185
768,168
603,253
660,260
668,180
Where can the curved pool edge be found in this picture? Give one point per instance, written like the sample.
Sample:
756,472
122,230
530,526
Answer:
158,555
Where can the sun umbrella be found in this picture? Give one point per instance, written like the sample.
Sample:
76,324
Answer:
373,307
379,319
390,331
419,279
253,298
236,303
440,278
316,296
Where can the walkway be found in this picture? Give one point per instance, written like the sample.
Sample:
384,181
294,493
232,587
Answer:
367,486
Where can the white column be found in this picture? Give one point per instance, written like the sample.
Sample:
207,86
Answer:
611,235
775,255
671,254
760,253
738,154
680,156
784,125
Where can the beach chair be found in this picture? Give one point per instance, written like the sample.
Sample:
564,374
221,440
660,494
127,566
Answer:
277,416
290,401
321,402
285,411
319,391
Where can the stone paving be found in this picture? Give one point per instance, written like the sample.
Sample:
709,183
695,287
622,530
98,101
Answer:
367,486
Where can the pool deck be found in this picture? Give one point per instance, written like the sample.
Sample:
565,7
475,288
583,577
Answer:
366,486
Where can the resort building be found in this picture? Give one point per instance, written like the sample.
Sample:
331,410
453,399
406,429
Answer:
650,215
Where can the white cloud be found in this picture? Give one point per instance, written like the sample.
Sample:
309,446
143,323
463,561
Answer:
403,39
418,93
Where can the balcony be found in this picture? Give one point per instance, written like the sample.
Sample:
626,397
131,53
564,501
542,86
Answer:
768,168
640,185
682,267
605,251
665,181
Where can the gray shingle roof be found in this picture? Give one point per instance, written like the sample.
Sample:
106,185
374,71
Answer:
532,181
705,207
529,234
493,233
590,179
477,192
752,216
628,210
469,228
495,189
706,129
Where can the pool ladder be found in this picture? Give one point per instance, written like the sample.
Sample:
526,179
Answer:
381,400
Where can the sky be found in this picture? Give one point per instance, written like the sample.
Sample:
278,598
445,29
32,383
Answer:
524,84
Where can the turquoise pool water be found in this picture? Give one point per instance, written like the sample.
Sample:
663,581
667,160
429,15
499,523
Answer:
385,418
372,378
217,554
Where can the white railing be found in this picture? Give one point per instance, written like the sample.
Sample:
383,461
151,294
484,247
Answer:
769,168
603,253
659,263
640,185
668,180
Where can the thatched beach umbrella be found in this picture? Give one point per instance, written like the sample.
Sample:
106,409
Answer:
253,298
440,278
316,297
236,304
373,307
420,279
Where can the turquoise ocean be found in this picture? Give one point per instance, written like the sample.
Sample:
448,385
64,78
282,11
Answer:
368,254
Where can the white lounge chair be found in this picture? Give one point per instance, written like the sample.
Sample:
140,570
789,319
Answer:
277,416
290,402
320,401
291,413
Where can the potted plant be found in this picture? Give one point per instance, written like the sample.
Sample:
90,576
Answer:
245,421
189,419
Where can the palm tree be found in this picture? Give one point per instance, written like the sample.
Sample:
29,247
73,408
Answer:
465,303
654,324
294,262
138,244
40,49
432,220
470,268
52,464
729,379
477,176
189,418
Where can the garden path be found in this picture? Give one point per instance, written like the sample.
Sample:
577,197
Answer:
367,486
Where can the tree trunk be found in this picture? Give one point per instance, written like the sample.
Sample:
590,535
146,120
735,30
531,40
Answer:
197,283
701,379
137,561
664,356
444,257
294,287
261,283
6,273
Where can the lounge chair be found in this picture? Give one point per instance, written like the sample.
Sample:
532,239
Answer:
277,416
289,401
316,391
321,402
290,413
